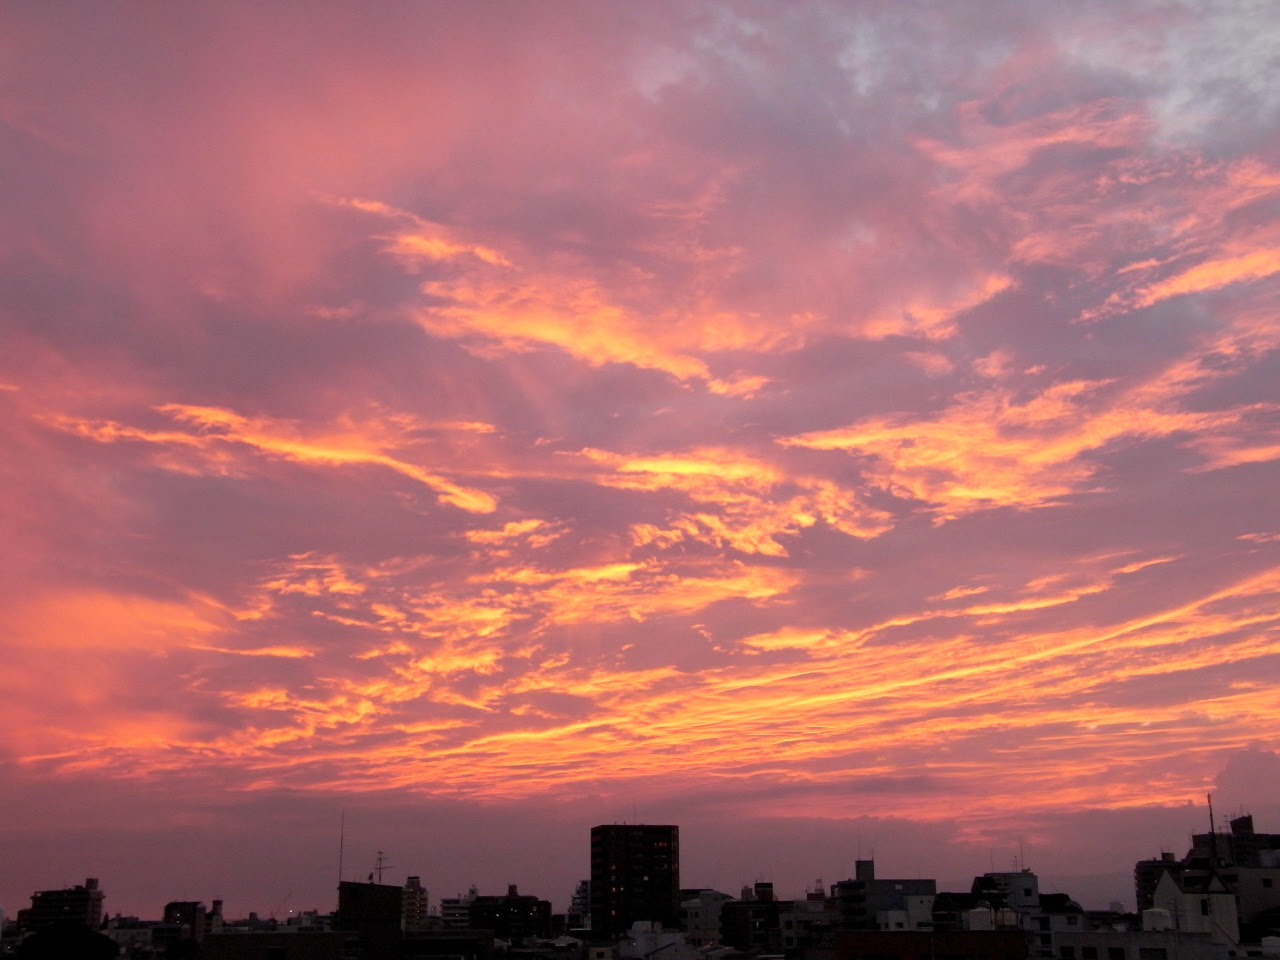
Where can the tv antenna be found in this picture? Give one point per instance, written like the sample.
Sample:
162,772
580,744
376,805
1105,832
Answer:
342,840
381,864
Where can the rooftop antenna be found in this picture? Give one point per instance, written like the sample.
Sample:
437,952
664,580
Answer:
342,840
381,864
1213,832
1022,856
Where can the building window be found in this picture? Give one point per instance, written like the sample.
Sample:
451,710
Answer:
1153,953
1204,907
1088,953
1067,953
1266,882
1115,953
1046,940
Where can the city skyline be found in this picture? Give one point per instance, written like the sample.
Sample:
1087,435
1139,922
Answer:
792,860
1220,900
832,427
623,859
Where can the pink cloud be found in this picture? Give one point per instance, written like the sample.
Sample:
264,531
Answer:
761,413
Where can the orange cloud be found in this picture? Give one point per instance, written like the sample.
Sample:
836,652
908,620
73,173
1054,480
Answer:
288,653
1212,275
94,619
535,533
419,239
313,576
747,503
215,435
75,651
689,623
934,316
575,315
989,449
846,704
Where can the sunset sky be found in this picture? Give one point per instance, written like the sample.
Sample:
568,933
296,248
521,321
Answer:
837,428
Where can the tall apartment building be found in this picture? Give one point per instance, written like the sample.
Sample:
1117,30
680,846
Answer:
414,915
371,911
635,875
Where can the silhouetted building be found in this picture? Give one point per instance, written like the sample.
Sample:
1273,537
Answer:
451,944
1147,874
78,906
1164,944
191,919
959,911
1017,889
810,924
267,945
515,918
413,906
371,913
1199,903
455,912
753,923
579,915
1242,847
860,901
73,942
700,915
1246,864
922,945
1004,900
635,875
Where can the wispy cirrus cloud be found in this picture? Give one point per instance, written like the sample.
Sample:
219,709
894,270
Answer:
211,438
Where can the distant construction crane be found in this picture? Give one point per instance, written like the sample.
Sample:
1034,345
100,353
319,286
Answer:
280,906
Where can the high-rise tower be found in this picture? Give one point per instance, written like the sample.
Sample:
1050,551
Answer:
635,875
